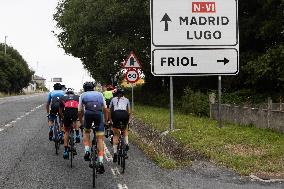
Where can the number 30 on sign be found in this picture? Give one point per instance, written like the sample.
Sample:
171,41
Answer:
132,76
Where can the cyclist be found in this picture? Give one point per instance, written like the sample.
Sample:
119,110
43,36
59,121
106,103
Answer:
108,96
69,112
120,113
94,107
52,106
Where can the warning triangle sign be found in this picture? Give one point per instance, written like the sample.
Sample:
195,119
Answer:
132,61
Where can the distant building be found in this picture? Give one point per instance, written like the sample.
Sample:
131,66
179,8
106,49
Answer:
39,80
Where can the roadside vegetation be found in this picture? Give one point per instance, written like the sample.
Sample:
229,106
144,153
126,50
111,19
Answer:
245,149
14,71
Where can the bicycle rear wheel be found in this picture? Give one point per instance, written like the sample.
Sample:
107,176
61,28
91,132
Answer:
94,166
56,140
71,142
123,161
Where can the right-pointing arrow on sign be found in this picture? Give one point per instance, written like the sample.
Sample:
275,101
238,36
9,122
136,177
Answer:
225,60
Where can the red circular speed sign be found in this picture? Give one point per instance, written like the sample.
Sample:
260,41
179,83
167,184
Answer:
132,76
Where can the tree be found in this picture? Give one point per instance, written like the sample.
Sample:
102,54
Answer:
14,71
102,32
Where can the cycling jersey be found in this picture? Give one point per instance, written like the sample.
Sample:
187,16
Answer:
121,103
108,95
69,106
55,93
92,101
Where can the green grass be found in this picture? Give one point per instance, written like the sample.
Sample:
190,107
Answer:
160,159
245,149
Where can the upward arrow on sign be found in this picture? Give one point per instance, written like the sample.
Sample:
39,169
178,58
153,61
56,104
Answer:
166,19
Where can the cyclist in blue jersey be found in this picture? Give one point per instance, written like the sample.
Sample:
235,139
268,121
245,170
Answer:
92,106
52,106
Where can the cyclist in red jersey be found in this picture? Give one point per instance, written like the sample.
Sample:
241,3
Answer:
69,111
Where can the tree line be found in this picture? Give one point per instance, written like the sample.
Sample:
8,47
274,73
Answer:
14,71
102,33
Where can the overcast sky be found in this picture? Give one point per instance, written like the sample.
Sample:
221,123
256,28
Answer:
28,25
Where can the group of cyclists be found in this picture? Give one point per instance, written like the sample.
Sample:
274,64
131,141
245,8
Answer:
106,109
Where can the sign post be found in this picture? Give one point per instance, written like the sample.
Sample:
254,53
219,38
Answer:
194,38
171,104
132,65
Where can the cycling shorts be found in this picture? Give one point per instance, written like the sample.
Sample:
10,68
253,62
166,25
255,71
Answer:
51,117
120,119
70,116
108,102
96,118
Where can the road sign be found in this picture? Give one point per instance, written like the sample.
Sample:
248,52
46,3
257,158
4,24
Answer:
132,76
182,62
56,79
194,23
132,61
194,37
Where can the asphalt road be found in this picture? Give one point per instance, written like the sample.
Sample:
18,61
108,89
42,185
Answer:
28,160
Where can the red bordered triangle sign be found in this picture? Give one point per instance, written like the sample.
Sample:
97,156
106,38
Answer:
132,61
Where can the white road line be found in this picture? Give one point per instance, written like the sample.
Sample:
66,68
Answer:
122,186
115,171
22,116
108,156
8,125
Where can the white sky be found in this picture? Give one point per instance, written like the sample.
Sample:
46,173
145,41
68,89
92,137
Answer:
28,25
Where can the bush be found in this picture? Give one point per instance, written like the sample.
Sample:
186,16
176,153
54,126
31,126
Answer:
195,102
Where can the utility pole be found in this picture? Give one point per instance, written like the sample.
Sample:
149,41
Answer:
5,49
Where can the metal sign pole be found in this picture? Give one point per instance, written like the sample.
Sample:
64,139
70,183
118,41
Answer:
132,99
219,102
171,104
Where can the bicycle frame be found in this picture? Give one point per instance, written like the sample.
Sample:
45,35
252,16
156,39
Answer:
121,151
94,156
55,135
72,144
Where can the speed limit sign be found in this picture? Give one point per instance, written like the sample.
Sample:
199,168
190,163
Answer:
132,76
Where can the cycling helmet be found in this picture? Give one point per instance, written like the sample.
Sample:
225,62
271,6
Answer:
70,91
57,86
119,91
109,88
88,86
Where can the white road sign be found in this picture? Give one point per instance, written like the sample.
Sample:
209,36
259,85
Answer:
132,61
182,62
194,23
194,37
132,76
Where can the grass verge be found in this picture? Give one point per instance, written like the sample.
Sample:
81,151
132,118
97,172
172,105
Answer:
245,149
161,159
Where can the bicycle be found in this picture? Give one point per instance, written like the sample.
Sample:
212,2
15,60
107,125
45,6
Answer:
56,133
121,150
94,156
71,142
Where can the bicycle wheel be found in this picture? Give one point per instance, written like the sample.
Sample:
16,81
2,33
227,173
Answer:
119,156
94,166
71,142
56,141
123,163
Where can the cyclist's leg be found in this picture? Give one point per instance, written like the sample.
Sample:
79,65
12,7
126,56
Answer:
67,126
100,140
88,119
116,134
51,119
